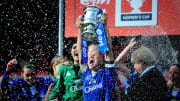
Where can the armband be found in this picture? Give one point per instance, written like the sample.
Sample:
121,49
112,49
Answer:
110,64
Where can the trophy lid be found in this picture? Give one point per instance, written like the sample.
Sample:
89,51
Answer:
92,7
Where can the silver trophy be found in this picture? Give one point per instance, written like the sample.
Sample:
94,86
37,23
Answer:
92,13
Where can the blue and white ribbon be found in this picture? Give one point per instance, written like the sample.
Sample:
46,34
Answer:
84,49
101,38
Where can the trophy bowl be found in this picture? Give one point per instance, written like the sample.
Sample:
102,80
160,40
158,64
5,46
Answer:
92,16
89,32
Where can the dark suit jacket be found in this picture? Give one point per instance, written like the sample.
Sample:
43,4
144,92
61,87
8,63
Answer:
149,87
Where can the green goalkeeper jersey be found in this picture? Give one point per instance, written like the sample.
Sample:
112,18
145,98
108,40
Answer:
68,85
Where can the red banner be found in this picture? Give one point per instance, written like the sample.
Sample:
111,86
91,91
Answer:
135,20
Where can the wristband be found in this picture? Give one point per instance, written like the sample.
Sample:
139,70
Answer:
110,64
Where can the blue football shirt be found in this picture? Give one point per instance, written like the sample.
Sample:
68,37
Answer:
101,85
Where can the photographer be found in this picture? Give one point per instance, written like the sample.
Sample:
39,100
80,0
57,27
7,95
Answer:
29,87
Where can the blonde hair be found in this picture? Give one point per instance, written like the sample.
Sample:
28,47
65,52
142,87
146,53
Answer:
143,54
57,60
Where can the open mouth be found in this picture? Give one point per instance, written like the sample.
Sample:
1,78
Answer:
76,54
91,61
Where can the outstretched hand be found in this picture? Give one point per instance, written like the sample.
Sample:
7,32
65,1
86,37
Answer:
11,64
104,17
79,21
132,43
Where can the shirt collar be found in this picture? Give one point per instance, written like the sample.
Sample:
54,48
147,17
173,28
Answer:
146,70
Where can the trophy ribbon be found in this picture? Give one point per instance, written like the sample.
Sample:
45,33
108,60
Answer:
84,49
101,38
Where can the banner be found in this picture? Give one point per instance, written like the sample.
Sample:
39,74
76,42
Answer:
136,13
129,17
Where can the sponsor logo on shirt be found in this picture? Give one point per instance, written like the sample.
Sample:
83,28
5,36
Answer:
75,88
89,88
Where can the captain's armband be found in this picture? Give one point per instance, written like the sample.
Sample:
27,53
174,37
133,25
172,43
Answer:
110,64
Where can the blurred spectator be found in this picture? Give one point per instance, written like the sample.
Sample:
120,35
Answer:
122,57
2,94
55,64
174,83
149,85
29,87
68,85
130,74
126,71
